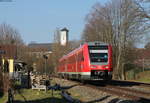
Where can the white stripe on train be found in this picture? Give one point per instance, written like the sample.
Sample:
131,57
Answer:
81,73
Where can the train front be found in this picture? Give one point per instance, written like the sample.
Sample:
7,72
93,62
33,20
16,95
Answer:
100,57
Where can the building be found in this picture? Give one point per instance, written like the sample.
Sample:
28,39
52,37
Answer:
64,36
8,54
40,49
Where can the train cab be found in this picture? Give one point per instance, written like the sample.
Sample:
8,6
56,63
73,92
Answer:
100,57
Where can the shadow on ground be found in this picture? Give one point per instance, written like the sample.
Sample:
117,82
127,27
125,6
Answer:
117,100
126,83
59,87
45,100
1,93
116,83
98,100
68,87
18,90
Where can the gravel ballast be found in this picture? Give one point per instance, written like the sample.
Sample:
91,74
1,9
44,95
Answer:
87,94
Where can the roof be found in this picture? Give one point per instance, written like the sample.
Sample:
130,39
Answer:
64,29
47,46
143,53
71,53
97,43
80,47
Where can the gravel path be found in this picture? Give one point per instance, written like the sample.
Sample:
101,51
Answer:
89,95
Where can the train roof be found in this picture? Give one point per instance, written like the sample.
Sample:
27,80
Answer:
97,43
81,46
72,52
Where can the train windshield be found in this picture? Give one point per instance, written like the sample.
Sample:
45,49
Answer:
98,55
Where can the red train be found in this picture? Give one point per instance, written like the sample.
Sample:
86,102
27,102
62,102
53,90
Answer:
91,61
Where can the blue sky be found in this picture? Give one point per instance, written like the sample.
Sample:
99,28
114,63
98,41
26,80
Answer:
36,20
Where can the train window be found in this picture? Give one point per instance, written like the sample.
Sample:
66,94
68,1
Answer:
82,58
102,47
98,54
99,57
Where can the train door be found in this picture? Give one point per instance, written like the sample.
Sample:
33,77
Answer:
76,61
80,62
65,63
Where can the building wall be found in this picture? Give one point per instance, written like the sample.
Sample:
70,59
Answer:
63,38
11,65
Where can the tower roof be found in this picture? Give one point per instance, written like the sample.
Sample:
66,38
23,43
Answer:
64,29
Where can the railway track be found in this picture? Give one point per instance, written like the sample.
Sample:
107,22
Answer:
120,90
127,93
129,83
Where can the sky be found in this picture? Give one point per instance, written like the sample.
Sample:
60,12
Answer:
36,20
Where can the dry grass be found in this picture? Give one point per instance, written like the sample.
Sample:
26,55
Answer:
35,96
144,77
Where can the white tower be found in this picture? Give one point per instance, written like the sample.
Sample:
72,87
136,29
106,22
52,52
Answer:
64,36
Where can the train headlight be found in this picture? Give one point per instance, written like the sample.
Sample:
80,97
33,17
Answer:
106,67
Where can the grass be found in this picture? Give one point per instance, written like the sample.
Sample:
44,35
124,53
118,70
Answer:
3,99
145,80
144,77
35,96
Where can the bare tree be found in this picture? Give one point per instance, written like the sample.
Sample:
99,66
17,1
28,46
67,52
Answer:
120,23
147,46
9,35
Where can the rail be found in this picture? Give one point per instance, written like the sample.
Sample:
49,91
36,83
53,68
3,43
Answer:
132,94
